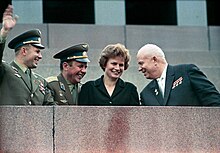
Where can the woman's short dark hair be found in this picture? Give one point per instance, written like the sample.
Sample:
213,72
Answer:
114,50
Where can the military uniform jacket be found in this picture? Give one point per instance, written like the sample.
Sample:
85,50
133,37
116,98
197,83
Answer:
185,85
15,89
60,90
95,93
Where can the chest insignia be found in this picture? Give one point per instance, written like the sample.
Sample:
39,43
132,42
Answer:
62,86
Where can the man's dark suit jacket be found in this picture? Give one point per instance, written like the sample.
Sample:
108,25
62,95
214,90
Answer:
95,93
185,85
15,89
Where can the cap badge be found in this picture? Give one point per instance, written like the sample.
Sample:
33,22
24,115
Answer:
85,46
84,54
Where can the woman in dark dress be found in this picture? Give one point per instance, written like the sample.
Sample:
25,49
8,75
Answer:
110,89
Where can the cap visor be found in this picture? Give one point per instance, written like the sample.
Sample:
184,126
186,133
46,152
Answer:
38,46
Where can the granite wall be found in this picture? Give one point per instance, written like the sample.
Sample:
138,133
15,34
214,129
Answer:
109,129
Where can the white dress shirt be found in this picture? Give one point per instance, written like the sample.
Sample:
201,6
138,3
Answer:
162,80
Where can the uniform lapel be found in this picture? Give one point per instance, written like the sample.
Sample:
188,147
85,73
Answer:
169,81
156,92
35,82
19,72
64,86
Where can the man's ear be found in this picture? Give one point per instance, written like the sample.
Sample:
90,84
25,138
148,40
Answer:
65,65
23,50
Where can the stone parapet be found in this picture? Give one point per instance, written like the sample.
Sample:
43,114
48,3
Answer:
77,129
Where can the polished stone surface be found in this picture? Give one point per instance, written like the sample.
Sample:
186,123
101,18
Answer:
137,130
26,129
77,129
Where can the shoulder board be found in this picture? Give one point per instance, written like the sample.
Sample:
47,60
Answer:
51,79
14,68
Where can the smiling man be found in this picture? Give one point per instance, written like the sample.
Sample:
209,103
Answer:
173,85
18,84
73,66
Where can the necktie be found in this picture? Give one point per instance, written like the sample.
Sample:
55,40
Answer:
75,94
28,74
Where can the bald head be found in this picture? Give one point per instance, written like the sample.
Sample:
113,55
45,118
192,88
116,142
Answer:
151,50
151,61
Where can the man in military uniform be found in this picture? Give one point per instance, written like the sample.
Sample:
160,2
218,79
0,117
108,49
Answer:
18,84
73,65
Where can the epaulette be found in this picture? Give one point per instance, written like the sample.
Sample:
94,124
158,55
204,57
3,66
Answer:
51,79
14,68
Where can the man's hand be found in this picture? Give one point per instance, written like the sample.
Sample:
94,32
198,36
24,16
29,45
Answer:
8,21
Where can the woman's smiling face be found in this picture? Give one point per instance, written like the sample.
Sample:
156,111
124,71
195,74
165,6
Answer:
114,67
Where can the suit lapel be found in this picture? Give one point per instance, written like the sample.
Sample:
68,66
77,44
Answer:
156,92
169,81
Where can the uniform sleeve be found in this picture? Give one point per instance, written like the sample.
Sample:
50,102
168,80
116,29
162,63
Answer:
2,46
48,98
204,89
51,89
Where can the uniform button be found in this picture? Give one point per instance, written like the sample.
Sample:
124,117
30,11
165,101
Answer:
110,102
29,102
32,95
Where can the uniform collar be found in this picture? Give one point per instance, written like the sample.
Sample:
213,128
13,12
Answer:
23,68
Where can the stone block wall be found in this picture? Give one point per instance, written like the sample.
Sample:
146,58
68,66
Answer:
78,129
181,44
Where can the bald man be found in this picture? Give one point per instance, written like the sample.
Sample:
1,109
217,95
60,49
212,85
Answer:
179,85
